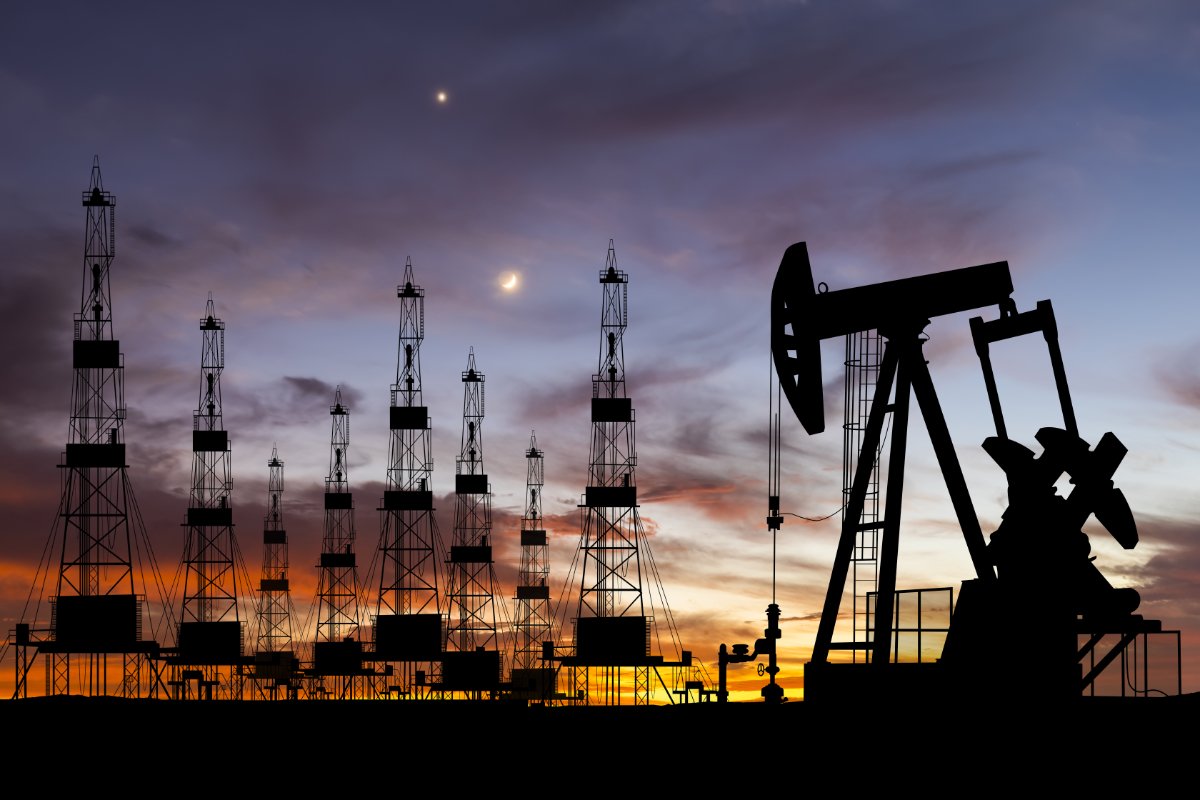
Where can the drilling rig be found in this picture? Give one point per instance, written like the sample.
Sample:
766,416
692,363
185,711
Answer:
337,665
614,635
275,661
104,554
409,626
209,654
471,663
533,678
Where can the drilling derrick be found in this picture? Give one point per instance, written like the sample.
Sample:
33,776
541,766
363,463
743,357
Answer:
275,663
472,661
408,620
337,653
96,609
209,648
532,677
612,629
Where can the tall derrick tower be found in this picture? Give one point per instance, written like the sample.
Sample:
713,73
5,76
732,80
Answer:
408,629
96,609
210,647
472,660
532,676
612,628
275,661
337,653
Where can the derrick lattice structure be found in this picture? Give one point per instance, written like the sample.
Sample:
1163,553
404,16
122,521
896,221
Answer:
612,628
337,652
408,624
612,574
472,660
532,676
210,646
275,661
97,607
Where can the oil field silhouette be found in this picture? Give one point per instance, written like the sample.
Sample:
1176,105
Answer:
946,543
437,648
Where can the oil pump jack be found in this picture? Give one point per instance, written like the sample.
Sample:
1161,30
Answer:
1037,607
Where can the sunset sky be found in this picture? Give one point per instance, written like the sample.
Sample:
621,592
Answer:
288,158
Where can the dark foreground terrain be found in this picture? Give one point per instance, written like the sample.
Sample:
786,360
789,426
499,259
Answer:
707,749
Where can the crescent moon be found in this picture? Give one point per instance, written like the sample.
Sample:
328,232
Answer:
510,283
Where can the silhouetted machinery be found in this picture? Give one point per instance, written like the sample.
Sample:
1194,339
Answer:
1037,606
772,692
